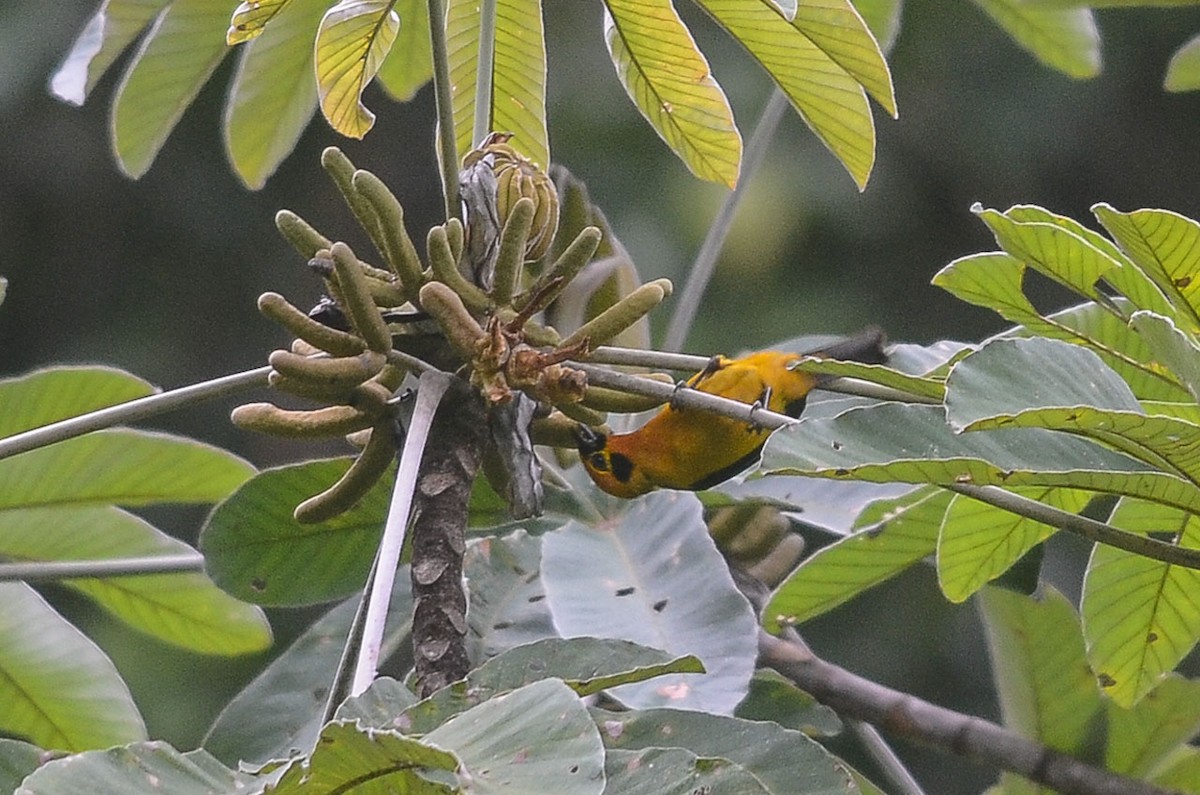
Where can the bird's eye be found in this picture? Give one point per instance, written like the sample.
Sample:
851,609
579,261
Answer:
598,462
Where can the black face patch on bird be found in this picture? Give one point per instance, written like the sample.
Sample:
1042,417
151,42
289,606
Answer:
622,467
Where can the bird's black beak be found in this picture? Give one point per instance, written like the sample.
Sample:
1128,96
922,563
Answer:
589,440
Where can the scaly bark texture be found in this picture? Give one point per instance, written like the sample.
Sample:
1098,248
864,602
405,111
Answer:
448,467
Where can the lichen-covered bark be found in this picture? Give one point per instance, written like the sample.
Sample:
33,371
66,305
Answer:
448,467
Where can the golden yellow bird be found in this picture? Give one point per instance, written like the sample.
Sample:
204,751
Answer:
683,448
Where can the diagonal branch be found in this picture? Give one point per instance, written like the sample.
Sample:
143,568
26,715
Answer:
908,716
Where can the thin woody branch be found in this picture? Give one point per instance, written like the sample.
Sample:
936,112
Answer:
965,735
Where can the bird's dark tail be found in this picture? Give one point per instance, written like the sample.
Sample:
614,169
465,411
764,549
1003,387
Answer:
867,347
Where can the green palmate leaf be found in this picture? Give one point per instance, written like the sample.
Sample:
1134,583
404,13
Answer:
254,548
410,63
508,602
1050,384
655,577
1059,253
17,760
846,568
273,95
526,740
353,39
174,61
781,759
138,767
669,81
1047,692
1140,739
369,761
1176,350
1183,72
518,78
122,467
1063,39
994,280
250,19
831,101
979,542
883,18
46,396
110,30
913,444
1126,278
1140,616
58,689
296,686
1166,246
675,771
184,609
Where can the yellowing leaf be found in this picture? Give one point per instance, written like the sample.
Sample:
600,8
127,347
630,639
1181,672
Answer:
352,41
250,18
668,79
831,101
518,99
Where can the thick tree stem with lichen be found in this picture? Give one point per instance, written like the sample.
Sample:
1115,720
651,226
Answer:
452,458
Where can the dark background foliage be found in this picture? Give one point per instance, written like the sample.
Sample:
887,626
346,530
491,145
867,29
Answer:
160,276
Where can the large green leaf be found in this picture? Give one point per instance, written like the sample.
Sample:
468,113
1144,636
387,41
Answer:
122,467
410,63
840,31
138,767
1141,738
184,609
45,396
17,760
367,762
1063,39
783,760
256,550
831,101
914,444
295,685
837,573
508,602
669,81
1043,383
352,41
1047,692
1166,246
175,59
1183,72
979,542
111,29
58,689
273,95
525,741
675,771
518,100
652,575
1140,616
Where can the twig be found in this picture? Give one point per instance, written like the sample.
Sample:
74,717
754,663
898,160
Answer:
447,149
908,716
885,757
483,71
50,570
706,260
132,411
430,389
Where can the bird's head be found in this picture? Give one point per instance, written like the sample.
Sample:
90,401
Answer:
613,469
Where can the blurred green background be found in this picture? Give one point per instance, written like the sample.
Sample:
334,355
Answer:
160,276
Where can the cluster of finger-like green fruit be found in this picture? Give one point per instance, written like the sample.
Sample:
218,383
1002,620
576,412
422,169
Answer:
405,316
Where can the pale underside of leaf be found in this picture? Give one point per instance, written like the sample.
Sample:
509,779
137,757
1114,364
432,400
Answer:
831,101
353,39
518,100
669,81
